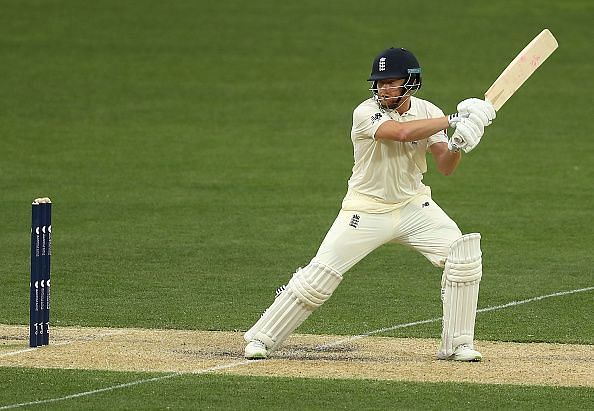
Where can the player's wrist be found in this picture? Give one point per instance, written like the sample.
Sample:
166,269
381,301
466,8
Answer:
453,119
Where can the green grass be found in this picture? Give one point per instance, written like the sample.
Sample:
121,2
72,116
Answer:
204,392
197,152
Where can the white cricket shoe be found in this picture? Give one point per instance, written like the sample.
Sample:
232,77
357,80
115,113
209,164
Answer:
256,350
463,352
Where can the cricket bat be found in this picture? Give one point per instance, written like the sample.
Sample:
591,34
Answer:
521,68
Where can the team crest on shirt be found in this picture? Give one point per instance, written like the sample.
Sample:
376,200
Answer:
376,117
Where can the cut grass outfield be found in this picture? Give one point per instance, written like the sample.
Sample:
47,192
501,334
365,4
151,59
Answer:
204,391
197,152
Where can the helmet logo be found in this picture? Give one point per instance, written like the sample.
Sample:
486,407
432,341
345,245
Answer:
382,64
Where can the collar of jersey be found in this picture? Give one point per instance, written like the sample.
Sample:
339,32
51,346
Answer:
412,111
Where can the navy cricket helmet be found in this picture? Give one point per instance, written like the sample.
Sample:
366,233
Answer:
396,63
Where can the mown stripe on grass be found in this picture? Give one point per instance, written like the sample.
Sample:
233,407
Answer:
433,320
125,385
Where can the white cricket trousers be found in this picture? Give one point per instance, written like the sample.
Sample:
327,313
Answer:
420,224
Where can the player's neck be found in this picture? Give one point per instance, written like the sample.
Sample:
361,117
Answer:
404,107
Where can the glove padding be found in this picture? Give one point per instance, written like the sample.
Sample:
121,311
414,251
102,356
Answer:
468,133
482,108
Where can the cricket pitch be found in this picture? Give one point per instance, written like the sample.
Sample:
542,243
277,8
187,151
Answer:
304,356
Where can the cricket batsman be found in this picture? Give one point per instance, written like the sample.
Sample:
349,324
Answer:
386,201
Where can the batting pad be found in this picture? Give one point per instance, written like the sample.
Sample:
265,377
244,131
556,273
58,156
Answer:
308,289
461,278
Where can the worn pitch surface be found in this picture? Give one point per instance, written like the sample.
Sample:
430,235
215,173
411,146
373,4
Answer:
307,356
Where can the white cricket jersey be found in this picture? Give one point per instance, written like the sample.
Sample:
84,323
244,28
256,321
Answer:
387,174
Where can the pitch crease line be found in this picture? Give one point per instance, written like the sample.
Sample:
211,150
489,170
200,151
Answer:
66,342
246,362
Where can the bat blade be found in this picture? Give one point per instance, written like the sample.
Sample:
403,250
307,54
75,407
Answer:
521,68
